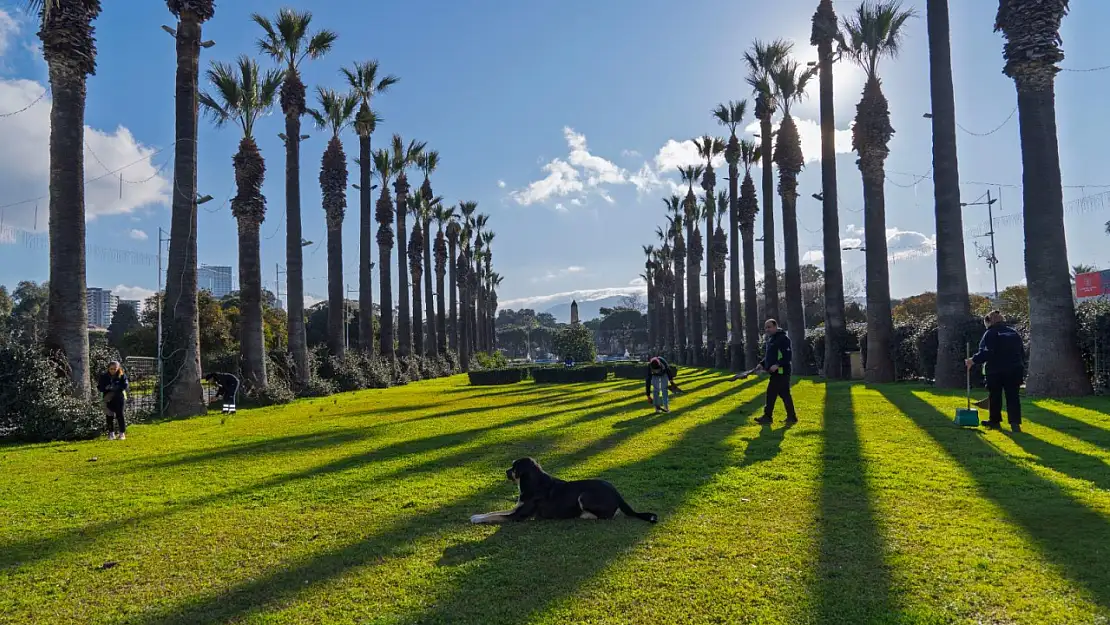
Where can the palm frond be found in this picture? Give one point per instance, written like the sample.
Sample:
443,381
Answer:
363,79
790,81
336,111
875,31
731,114
428,162
320,44
383,165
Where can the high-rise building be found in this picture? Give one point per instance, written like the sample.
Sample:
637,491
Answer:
214,279
101,306
137,304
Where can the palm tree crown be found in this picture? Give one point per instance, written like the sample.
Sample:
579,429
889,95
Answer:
243,93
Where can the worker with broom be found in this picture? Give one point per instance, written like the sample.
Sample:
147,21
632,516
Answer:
1002,352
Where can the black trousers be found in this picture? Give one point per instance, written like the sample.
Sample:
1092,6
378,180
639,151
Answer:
1006,383
230,394
113,407
779,386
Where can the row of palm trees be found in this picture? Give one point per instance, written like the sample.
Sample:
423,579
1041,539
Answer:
873,33
241,94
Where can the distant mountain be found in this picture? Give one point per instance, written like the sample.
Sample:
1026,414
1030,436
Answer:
586,310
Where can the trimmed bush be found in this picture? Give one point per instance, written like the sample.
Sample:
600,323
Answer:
556,375
34,405
346,373
492,377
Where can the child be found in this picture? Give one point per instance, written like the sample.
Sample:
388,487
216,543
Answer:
113,385
660,381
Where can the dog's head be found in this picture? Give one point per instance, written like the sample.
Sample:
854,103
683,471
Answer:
521,468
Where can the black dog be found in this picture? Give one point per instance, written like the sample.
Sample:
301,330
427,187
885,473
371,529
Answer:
545,497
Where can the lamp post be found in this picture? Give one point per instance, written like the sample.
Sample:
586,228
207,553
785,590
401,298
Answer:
992,259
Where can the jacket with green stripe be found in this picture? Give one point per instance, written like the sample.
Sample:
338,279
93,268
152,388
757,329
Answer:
777,351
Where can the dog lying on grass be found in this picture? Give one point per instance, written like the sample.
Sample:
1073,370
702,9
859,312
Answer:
546,497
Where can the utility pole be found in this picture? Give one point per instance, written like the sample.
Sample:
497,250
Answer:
277,287
160,301
989,255
347,318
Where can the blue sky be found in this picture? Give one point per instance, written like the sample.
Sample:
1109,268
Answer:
563,121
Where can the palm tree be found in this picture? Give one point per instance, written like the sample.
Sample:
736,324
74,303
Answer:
454,230
693,265
674,210
336,113
403,158
649,280
365,84
1078,270
666,278
874,32
69,47
731,115
242,94
720,263
464,269
1031,52
476,332
386,168
427,163
747,208
763,60
181,322
495,280
709,148
826,29
287,40
488,310
790,82
416,266
442,216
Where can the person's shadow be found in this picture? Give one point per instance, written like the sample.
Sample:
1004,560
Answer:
766,445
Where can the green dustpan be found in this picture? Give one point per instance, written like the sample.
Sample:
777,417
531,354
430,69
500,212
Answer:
967,417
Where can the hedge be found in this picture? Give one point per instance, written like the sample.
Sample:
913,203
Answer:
491,377
636,371
555,375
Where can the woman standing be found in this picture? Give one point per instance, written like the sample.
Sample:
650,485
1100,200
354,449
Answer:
113,385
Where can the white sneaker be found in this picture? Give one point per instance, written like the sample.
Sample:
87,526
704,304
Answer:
122,436
111,436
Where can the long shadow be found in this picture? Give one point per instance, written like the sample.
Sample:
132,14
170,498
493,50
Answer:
1068,533
1067,425
512,582
853,581
1072,463
281,444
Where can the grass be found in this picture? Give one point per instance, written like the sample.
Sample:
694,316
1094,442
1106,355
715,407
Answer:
353,509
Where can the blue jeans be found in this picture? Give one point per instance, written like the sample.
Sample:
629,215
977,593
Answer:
660,385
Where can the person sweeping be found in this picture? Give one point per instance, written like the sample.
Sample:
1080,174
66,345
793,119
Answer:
113,386
660,384
777,353
1002,352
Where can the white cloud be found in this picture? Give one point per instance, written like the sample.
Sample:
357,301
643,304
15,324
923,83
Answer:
554,275
9,30
815,257
137,234
904,244
586,295
573,269
810,133
575,177
562,179
501,184
560,208
630,154
678,154
123,291
576,202
638,281
25,162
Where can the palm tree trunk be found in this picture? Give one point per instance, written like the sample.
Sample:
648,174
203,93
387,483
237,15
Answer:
736,319
181,329
678,319
337,302
1056,366
770,270
294,263
385,283
880,324
795,312
835,323
751,300
464,312
953,301
668,316
710,305
417,322
651,313
404,313
452,264
252,344
693,298
67,316
721,314
432,344
365,247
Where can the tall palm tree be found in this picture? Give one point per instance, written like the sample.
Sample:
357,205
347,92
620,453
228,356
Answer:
454,230
403,158
464,269
416,266
336,113
747,208
443,216
69,47
364,82
790,82
478,335
181,321
709,148
495,280
428,162
826,30
488,310
674,210
242,94
649,280
693,265
762,61
720,263
875,32
666,277
731,115
287,40
386,168
1031,52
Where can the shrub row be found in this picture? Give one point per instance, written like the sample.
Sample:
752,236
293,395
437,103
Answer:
559,374
564,375
636,371
491,377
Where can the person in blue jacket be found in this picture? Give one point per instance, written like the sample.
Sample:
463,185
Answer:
777,353
1002,352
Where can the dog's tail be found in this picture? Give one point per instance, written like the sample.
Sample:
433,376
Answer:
650,517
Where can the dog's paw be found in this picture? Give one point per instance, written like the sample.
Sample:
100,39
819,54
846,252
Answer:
475,518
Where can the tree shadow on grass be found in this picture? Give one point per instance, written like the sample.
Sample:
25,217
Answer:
1071,426
1065,461
853,580
690,463
1064,530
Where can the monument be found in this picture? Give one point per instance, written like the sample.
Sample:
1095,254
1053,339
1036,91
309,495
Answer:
574,311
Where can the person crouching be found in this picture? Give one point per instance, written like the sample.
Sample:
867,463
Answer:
659,384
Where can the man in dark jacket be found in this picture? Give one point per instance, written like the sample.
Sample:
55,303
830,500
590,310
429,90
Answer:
227,386
776,362
1002,351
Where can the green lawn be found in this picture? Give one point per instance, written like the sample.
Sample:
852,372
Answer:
353,509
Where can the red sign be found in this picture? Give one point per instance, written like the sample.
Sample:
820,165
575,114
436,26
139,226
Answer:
1088,285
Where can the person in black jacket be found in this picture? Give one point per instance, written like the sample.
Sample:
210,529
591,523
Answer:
227,386
777,353
113,386
1002,352
660,380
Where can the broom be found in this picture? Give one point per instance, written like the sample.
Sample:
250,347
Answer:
967,417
